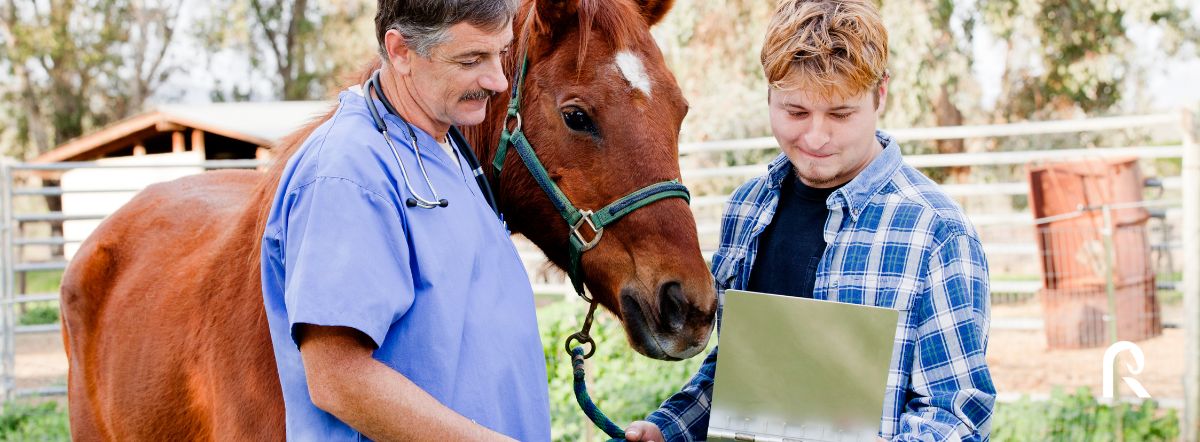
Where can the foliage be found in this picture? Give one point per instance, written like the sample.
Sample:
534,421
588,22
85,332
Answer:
29,422
1060,59
625,385
77,65
45,281
1080,417
304,48
45,313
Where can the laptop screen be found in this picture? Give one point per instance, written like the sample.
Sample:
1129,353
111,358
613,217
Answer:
800,369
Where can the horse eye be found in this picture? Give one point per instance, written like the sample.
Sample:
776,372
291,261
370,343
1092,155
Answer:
578,120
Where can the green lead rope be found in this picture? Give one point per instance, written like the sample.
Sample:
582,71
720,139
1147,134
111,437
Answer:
585,401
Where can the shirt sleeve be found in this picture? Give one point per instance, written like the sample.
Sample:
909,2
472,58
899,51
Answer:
684,416
951,391
346,259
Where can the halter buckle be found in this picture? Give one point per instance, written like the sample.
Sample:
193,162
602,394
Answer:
597,231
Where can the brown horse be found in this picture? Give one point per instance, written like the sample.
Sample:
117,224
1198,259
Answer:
162,307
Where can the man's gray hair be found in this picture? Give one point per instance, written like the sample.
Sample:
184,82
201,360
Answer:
426,23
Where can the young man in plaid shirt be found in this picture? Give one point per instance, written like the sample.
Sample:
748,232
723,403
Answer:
840,217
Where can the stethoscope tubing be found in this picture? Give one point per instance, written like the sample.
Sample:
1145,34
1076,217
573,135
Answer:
458,143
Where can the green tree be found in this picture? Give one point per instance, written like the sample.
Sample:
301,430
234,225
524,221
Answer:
1062,59
304,48
1070,57
79,64
930,62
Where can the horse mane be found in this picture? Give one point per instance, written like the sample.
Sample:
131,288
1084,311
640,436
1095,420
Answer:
620,19
282,151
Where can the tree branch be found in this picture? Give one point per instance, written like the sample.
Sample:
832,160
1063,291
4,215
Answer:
281,63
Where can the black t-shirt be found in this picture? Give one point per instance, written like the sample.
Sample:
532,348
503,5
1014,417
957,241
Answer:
790,248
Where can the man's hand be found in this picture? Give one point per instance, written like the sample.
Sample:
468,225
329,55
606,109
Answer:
643,431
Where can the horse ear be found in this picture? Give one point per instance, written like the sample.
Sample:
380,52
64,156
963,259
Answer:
552,12
655,10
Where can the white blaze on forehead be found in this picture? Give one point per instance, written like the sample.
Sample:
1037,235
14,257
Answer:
633,70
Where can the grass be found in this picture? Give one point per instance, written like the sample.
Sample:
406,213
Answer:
40,313
28,421
43,281
1067,417
37,313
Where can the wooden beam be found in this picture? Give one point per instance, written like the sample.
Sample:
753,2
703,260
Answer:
177,141
167,126
112,136
198,140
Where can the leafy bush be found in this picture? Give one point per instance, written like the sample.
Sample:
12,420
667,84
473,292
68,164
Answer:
625,385
1079,417
40,314
34,423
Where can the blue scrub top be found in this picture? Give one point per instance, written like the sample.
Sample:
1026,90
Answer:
441,292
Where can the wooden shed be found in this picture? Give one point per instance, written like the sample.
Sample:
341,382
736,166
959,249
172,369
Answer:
218,131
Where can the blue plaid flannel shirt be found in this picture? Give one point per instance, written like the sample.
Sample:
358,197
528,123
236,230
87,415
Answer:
894,240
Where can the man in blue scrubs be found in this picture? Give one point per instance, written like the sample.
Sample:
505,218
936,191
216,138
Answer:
392,321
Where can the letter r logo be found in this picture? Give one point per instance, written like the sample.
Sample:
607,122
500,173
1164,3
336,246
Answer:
1139,360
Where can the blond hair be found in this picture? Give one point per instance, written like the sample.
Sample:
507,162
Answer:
835,48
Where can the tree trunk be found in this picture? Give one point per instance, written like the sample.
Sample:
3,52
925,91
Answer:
948,114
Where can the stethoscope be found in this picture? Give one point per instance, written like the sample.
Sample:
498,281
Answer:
456,140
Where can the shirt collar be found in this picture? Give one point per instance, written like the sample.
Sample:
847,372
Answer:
856,193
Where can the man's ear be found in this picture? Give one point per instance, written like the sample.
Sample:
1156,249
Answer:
400,55
882,92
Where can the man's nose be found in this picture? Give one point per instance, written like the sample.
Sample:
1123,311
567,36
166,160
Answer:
494,79
818,134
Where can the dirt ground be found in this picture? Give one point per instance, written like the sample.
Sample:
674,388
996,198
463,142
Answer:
1021,363
41,361
1018,358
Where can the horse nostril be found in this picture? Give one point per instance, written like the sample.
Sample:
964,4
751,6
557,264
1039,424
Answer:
671,305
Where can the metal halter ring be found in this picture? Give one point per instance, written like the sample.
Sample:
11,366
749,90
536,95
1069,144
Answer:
583,339
586,218
584,334
509,117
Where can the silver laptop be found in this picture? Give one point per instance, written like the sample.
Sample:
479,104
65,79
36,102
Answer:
796,369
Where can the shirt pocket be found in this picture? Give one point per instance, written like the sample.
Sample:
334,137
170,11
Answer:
888,291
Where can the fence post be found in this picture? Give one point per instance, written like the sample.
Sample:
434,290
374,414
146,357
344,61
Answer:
1191,276
7,255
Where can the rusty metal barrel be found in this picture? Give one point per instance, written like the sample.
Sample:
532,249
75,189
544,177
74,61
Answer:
1081,248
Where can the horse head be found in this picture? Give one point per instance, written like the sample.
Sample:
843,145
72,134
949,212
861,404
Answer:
602,112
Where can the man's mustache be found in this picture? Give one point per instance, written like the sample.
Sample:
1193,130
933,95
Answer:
476,95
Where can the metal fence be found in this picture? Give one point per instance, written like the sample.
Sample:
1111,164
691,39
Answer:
1084,314
34,244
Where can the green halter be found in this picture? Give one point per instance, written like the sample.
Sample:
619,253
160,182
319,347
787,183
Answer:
576,218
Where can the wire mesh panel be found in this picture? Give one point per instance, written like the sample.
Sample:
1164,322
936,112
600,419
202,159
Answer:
1098,284
1079,303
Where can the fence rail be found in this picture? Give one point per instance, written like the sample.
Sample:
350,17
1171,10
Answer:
18,244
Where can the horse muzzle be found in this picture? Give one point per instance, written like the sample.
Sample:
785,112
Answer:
668,325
